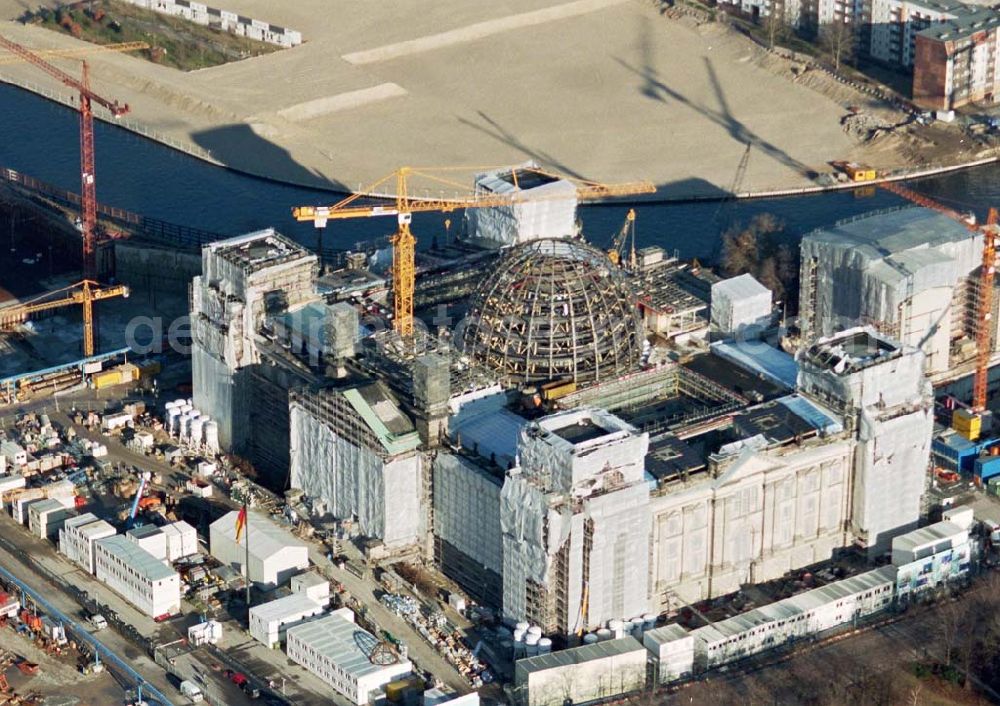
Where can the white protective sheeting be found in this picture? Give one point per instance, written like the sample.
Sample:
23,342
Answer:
467,509
867,269
580,503
740,304
548,210
356,482
524,514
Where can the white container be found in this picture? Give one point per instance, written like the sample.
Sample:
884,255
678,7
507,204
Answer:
522,626
648,621
212,435
197,431
535,630
544,646
604,634
617,628
531,640
590,638
184,426
518,636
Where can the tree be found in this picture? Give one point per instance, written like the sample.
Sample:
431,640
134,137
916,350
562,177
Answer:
777,23
838,41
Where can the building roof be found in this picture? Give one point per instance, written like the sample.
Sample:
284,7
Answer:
381,413
308,579
885,233
47,505
490,431
670,456
579,655
80,520
761,359
258,250
927,536
667,633
130,553
263,536
144,531
742,287
342,642
968,22
796,605
289,606
97,529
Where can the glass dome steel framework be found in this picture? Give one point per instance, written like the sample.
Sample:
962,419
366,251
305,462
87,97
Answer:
555,310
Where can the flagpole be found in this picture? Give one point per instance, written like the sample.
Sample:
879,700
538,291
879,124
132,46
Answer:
246,540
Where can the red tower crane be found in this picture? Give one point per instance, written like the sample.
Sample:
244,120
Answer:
88,192
984,296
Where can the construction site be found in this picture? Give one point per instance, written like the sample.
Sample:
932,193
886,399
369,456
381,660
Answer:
455,474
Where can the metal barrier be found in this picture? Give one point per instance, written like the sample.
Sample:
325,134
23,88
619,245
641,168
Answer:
109,657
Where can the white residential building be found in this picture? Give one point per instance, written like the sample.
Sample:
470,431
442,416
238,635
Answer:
138,576
269,621
78,536
275,554
338,652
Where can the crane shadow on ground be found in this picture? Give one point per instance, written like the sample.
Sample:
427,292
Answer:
501,134
238,147
654,87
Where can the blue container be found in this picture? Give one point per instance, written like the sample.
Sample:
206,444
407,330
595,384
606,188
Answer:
987,466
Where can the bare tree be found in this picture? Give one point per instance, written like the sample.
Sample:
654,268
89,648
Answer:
950,618
837,39
777,23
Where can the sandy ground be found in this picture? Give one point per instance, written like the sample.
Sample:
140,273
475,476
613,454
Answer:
604,89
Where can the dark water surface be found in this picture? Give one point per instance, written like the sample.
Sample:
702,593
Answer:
40,138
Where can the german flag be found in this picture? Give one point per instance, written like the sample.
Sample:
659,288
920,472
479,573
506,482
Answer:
241,522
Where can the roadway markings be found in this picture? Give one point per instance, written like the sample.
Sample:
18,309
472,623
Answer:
341,101
480,30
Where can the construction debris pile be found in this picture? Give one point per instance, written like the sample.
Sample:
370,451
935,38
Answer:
864,127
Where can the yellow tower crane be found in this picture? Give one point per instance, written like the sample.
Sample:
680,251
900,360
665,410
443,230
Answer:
367,203
84,293
627,233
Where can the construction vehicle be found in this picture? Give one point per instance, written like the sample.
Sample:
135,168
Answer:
969,421
83,293
627,233
88,192
403,205
143,480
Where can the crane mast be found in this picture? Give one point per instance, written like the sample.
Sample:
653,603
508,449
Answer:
88,192
404,242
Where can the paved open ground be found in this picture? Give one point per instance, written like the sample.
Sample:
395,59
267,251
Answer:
604,89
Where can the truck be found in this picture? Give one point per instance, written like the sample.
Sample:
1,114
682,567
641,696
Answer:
192,691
